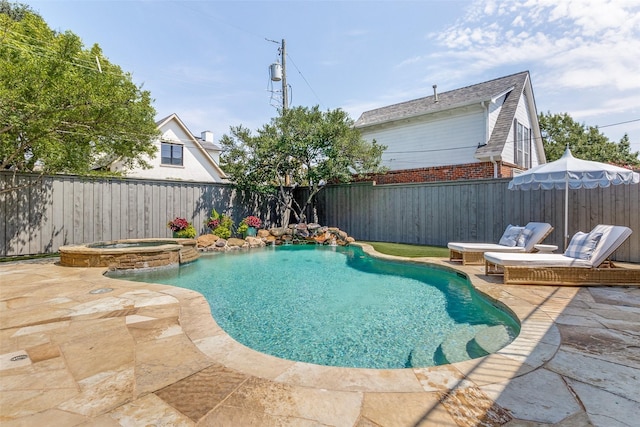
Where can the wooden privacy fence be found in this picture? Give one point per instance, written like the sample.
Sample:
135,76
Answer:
59,210
474,211
45,213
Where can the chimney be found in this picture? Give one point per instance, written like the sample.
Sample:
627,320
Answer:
207,136
435,93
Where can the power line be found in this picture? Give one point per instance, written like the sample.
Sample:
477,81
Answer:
430,150
305,79
619,123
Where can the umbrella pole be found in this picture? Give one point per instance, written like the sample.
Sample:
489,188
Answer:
566,211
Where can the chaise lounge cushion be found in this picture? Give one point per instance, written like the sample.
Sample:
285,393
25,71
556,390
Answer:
534,260
483,247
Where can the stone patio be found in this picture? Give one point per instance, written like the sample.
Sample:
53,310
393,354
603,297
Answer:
78,348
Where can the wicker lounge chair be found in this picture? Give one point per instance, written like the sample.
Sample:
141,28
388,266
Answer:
560,269
473,253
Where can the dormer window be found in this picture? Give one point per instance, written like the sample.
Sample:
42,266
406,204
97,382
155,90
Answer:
171,154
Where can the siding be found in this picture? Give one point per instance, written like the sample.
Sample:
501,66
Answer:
426,142
523,116
196,167
494,112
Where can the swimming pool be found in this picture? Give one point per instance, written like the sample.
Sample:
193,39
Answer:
340,307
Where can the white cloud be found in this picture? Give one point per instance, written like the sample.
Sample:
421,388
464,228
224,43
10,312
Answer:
518,21
581,54
585,44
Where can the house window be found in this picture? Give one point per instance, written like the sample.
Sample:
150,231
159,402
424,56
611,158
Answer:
171,154
522,145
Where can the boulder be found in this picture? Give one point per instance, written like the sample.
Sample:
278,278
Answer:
320,238
255,242
221,243
350,239
277,232
262,233
302,232
206,240
236,242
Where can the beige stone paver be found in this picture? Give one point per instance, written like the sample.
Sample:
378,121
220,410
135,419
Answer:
81,349
417,409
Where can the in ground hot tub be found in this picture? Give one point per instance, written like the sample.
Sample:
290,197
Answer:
130,253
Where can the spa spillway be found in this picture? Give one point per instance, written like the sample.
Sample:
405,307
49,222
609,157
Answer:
130,253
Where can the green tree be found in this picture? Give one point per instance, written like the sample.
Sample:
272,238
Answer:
303,146
64,108
585,142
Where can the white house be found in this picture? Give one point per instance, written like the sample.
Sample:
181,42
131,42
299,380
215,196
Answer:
481,131
182,156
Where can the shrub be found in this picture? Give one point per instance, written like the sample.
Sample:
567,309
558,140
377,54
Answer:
220,224
182,228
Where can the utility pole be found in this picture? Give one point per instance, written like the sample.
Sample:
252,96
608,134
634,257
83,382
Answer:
285,97
285,91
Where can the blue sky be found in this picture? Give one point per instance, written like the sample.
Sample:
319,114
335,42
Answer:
208,61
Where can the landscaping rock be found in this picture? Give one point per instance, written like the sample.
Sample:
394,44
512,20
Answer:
277,232
236,242
206,240
321,238
254,242
313,226
293,234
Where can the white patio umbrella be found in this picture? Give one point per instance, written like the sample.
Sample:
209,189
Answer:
570,173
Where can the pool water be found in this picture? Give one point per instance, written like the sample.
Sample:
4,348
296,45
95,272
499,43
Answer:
339,307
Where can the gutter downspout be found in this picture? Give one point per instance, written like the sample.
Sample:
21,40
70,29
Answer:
485,106
495,166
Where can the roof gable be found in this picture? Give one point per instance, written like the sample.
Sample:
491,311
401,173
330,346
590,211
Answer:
468,95
198,143
510,87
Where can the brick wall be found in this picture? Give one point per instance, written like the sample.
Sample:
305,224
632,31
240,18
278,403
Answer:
443,173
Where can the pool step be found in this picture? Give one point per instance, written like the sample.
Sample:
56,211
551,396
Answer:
492,338
470,343
454,348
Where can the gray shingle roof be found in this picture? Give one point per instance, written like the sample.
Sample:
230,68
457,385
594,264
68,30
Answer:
504,122
468,95
208,145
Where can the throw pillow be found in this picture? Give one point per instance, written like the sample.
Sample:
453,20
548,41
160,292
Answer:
510,236
582,245
524,237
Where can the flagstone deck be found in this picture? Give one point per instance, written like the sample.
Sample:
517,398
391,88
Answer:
78,348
